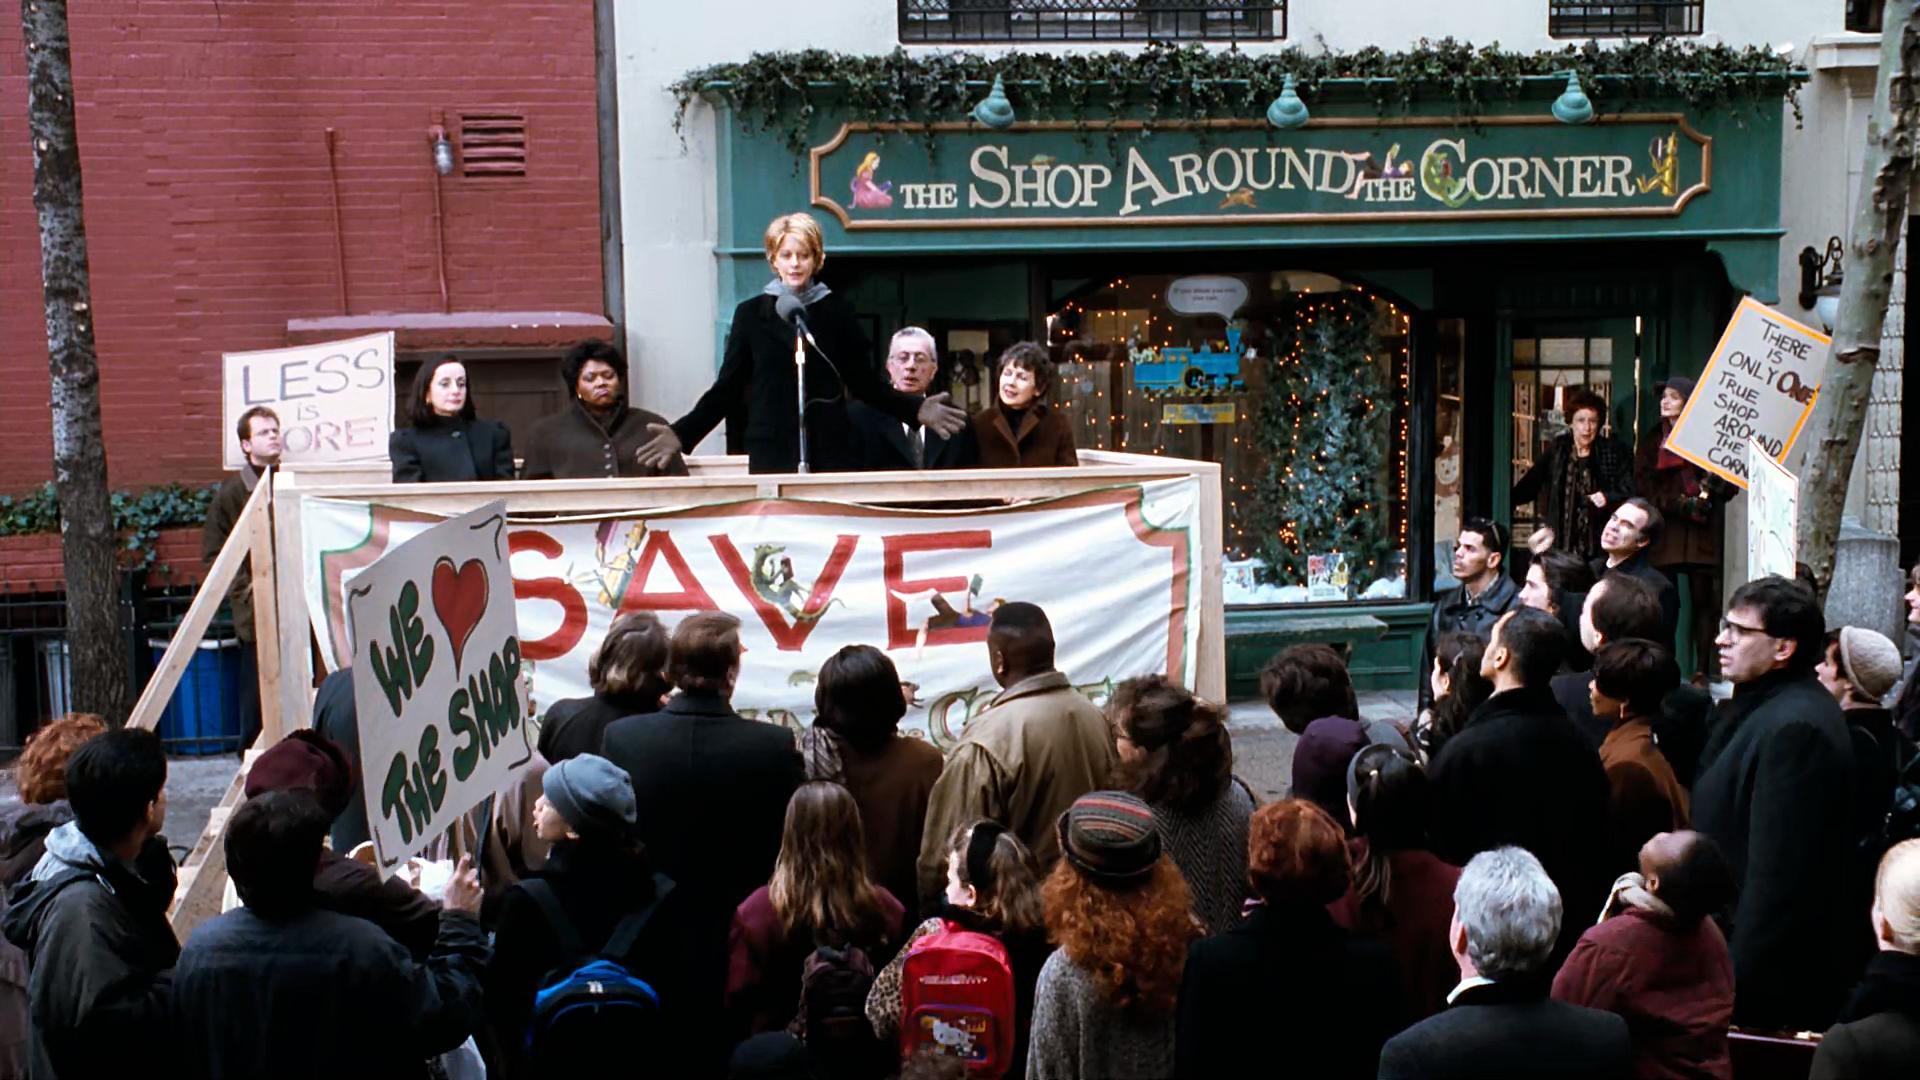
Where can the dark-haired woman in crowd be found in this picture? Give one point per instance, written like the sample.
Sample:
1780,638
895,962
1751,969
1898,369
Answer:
993,887
1458,689
1288,984
1557,583
1402,893
626,673
1020,429
1583,475
599,433
1176,755
855,741
447,441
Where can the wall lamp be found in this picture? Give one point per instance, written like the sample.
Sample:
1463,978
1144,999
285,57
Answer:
442,150
1820,280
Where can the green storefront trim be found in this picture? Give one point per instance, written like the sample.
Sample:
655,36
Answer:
1386,640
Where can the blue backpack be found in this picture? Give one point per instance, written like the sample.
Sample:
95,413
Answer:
591,1010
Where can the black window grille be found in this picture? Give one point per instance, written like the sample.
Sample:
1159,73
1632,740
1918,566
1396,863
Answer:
1589,20
1092,20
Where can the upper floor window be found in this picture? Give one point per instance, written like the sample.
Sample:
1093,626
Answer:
1092,20
1580,19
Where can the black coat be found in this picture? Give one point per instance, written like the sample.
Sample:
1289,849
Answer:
757,370
1572,692
1453,611
880,443
322,995
1520,774
337,717
574,444
1286,981
1878,1036
1510,1030
451,451
1658,581
1612,467
1775,793
576,726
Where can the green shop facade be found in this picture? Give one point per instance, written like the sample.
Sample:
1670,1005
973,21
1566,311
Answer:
1373,322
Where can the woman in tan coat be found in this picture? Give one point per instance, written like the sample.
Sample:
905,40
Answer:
1020,430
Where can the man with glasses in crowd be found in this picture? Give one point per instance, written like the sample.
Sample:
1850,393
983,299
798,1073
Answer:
881,442
1774,793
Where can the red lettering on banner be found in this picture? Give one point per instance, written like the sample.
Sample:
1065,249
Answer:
573,622
691,597
894,550
789,637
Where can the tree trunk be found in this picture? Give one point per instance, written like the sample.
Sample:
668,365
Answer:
96,646
1887,172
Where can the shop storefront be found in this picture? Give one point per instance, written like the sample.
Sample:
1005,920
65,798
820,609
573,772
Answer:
1372,323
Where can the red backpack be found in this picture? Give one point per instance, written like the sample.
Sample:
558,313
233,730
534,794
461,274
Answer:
957,999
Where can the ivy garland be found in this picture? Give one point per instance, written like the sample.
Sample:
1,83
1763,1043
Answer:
137,518
1188,83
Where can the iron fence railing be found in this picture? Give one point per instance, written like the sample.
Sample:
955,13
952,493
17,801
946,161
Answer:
979,21
1645,17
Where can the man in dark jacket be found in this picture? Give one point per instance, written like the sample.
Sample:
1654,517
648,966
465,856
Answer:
1615,609
881,442
336,717
1484,594
1628,534
1774,793
626,674
260,446
1520,774
92,918
281,987
1499,1022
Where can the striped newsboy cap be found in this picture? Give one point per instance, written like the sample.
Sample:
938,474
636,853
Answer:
1109,837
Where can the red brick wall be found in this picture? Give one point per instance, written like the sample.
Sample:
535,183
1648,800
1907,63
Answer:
208,216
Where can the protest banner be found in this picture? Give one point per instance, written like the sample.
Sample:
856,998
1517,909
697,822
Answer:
1759,384
334,399
808,577
1773,514
435,644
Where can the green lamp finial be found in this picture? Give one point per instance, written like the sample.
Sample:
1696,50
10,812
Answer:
1287,111
995,111
1572,106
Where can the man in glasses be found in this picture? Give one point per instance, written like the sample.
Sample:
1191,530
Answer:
881,442
1774,793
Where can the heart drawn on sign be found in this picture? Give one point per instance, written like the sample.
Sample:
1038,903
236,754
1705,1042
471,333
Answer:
459,599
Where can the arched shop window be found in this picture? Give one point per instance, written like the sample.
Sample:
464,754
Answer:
1294,381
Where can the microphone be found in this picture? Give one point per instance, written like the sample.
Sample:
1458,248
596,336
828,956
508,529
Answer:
793,313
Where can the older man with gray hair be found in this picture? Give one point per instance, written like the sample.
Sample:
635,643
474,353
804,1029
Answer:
881,442
1499,1021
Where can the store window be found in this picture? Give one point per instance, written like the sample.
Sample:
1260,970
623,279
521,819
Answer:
1549,369
1294,381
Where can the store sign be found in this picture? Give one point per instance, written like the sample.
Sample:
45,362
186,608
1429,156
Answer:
879,176
334,399
1759,384
1209,412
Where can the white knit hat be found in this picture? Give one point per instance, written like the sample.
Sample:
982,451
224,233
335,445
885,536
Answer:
1869,661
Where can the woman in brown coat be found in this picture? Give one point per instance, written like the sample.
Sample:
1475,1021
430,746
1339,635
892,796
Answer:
1689,500
1021,430
598,433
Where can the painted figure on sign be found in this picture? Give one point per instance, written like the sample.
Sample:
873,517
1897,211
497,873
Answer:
867,194
773,579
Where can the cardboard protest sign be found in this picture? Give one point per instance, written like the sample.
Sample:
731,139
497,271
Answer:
1759,384
436,662
334,399
1773,510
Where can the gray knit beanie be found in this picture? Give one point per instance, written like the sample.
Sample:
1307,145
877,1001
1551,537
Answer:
593,794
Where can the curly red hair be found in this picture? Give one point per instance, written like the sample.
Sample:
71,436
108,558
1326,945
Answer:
1134,941
1296,853
42,769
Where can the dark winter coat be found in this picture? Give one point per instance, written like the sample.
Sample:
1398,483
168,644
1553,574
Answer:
1641,567
1045,438
452,450
576,726
757,370
1286,981
892,784
1774,793
23,840
1520,774
764,962
223,513
1413,923
96,934
1452,611
1673,985
321,995
1612,469
880,443
1878,1036
350,887
573,444
336,717
1573,690
1510,1030
1680,492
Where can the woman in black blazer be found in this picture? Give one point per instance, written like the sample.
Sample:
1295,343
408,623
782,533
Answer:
757,371
447,442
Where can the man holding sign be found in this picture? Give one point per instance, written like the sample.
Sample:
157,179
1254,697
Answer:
259,432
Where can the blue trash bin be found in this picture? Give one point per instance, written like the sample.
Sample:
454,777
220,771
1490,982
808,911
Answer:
203,716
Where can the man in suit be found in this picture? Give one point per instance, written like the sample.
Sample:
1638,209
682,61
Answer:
1499,1021
881,442
1633,528
711,789
1615,609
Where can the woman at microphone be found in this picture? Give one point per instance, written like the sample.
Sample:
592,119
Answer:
757,370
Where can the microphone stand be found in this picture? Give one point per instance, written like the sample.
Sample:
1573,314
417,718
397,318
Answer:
800,391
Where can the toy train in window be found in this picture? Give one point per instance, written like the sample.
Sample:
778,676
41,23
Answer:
1179,368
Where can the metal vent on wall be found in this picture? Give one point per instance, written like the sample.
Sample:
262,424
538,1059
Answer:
493,144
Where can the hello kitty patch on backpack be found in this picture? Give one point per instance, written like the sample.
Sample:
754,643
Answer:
957,999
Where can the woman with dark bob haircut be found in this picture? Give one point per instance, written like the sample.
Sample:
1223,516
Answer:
1288,976
855,741
1176,755
1402,894
447,441
1020,430
598,433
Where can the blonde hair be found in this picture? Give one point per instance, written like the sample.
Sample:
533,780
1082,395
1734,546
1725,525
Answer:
820,880
802,226
1897,888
